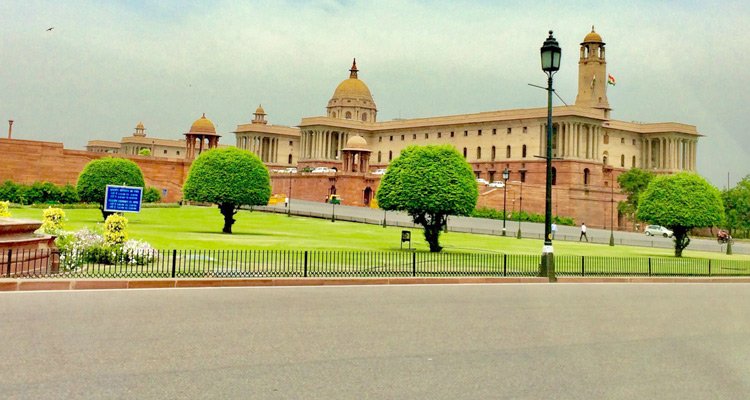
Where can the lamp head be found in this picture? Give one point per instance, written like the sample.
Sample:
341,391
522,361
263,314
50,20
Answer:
551,54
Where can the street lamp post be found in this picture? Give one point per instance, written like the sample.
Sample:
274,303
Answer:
612,208
289,198
520,209
551,54
506,175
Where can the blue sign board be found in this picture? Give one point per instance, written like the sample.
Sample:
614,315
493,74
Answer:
123,199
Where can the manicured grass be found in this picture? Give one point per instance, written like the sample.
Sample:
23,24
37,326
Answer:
200,228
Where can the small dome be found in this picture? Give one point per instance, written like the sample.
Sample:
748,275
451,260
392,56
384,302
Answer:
592,37
260,110
203,125
139,126
356,142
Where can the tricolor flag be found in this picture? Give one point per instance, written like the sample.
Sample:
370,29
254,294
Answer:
611,79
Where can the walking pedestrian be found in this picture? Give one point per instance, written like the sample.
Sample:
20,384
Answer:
583,232
554,230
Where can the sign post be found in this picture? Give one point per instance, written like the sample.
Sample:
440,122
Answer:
123,199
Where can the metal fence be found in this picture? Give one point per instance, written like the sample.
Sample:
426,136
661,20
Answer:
25,263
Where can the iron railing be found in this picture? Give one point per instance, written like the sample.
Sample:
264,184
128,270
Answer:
32,263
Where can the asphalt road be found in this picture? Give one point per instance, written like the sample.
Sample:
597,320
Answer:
494,227
540,341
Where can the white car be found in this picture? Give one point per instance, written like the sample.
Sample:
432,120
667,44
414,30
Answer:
380,171
496,184
657,230
321,170
482,181
290,170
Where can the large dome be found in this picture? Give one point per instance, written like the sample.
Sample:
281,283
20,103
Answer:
592,37
352,89
203,125
352,99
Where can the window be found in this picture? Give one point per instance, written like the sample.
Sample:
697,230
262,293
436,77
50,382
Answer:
390,155
464,152
165,152
333,114
178,152
479,153
606,138
451,133
622,140
348,115
466,133
633,142
380,156
525,130
494,131
414,136
509,130
632,164
479,132
364,116
477,174
402,137
440,134
380,138
391,138
523,176
622,160
493,153
586,174
507,151
289,159
426,135
523,151
554,175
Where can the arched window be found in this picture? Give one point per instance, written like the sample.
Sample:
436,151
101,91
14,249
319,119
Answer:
507,151
390,155
333,114
479,153
493,153
554,175
348,115
632,164
586,174
364,117
380,156
464,152
289,159
622,160
523,151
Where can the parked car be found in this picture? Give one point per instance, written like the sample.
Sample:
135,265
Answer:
291,170
657,230
321,170
496,184
380,171
482,181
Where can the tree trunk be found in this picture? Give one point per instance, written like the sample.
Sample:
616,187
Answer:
228,210
681,239
105,214
433,225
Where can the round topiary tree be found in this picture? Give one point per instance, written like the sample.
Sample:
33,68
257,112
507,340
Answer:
681,202
429,183
93,180
230,178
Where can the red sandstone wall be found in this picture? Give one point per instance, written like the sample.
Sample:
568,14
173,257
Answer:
316,187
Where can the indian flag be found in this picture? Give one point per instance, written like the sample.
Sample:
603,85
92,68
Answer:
611,79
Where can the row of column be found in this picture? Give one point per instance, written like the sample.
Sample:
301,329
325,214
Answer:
572,140
669,153
266,148
322,145
196,143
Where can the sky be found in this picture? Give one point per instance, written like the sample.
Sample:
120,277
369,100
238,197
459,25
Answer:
107,65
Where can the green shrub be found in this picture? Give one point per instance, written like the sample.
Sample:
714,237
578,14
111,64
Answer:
53,221
69,194
93,180
9,191
42,192
491,213
151,195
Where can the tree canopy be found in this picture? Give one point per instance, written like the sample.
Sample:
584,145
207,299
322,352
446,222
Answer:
97,174
429,183
681,202
633,183
230,178
737,206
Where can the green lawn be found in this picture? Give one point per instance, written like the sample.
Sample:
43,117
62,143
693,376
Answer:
200,228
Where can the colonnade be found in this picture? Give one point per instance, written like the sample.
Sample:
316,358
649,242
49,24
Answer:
265,147
322,144
573,140
668,153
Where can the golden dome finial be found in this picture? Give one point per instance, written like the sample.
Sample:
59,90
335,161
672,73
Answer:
592,37
353,70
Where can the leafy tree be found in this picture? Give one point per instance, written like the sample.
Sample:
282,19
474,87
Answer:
430,183
42,192
151,195
144,152
69,195
97,174
681,202
632,183
737,206
230,178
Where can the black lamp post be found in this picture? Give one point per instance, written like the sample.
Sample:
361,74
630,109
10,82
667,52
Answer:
612,208
520,209
551,54
506,175
289,198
